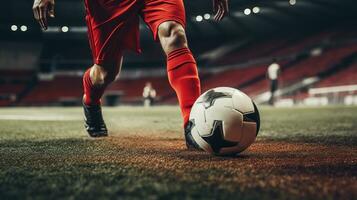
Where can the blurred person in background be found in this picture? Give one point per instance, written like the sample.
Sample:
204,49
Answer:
149,94
273,75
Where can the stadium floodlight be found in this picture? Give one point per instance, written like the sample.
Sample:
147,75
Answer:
256,9
247,11
23,28
199,18
292,2
64,29
207,16
14,28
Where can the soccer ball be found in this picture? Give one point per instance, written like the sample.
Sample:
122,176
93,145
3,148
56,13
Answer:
225,121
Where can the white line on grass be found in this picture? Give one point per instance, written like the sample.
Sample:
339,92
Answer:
39,117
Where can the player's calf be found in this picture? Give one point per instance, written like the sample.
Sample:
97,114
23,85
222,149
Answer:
172,36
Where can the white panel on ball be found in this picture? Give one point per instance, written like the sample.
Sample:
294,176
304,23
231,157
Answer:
232,125
198,116
242,102
249,134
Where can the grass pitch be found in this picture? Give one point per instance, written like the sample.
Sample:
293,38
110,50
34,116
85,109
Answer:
308,153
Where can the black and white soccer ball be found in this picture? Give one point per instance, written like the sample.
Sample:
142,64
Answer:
225,121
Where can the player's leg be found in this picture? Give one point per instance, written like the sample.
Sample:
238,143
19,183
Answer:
273,88
181,66
181,70
107,58
95,81
113,26
166,20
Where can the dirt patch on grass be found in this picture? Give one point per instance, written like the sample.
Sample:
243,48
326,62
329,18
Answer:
299,169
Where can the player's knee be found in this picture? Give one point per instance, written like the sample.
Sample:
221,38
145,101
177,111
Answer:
101,75
172,36
97,75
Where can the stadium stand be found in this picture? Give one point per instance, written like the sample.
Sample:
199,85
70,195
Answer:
132,88
13,84
337,87
348,76
252,51
314,65
304,43
233,77
294,54
53,91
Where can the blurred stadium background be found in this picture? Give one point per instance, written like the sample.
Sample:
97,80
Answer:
314,41
300,153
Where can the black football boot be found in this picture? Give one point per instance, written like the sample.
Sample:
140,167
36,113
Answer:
190,142
93,121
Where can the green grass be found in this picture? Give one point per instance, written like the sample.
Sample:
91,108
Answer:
145,157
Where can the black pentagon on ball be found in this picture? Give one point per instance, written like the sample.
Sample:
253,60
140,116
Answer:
216,138
253,117
210,97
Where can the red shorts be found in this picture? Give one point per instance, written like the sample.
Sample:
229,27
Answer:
113,25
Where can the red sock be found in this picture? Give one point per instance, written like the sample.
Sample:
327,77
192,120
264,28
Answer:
92,94
183,77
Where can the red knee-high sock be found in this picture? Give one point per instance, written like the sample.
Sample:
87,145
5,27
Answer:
92,94
183,77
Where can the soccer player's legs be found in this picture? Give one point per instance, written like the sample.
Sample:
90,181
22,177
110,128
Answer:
95,81
112,28
166,20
